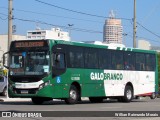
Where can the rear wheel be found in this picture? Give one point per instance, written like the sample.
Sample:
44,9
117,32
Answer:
73,95
128,94
96,99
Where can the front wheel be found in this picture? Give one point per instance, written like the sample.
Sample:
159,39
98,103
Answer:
128,94
73,95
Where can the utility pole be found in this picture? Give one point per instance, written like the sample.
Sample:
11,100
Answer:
134,26
10,17
9,22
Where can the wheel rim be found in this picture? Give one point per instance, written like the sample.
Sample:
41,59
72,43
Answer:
129,94
73,95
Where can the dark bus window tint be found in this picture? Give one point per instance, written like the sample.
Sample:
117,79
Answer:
91,58
104,59
117,60
140,61
76,59
129,61
59,61
150,62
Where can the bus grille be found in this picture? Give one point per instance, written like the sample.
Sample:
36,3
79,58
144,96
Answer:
25,91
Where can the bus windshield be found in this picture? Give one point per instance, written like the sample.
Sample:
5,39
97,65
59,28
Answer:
29,63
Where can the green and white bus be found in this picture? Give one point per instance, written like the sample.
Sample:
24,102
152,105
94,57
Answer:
54,69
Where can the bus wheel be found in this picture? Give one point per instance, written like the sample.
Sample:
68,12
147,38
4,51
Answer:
96,99
153,96
128,94
37,101
73,95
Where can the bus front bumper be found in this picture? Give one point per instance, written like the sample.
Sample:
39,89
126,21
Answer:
45,89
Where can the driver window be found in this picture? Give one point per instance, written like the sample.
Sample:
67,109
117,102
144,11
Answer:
16,61
58,60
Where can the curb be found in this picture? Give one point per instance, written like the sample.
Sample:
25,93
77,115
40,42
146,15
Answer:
14,99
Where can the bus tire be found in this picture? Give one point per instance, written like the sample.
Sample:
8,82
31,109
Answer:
128,94
37,101
73,95
96,99
153,96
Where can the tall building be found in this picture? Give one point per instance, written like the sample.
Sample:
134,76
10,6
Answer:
54,33
113,29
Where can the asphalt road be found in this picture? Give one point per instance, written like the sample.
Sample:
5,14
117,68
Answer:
145,104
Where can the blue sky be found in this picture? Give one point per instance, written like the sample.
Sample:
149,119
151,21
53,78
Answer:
147,15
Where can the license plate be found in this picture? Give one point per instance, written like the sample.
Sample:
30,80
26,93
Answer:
24,91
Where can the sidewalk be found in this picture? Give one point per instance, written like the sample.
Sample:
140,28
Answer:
14,99
26,99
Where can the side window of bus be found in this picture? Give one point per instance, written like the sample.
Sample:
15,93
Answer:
58,60
150,62
140,61
75,57
117,60
91,58
129,61
104,59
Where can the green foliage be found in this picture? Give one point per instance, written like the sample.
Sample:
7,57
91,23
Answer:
3,71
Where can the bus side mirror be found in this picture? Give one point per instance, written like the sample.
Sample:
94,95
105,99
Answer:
5,61
57,59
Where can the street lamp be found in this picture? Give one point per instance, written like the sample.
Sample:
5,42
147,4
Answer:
70,28
124,40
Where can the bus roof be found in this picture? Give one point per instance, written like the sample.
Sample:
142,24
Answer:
104,46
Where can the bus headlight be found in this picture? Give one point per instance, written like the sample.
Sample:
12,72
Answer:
44,84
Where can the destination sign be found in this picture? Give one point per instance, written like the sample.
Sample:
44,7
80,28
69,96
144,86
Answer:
29,44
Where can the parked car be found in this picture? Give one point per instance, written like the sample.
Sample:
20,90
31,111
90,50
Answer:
3,85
